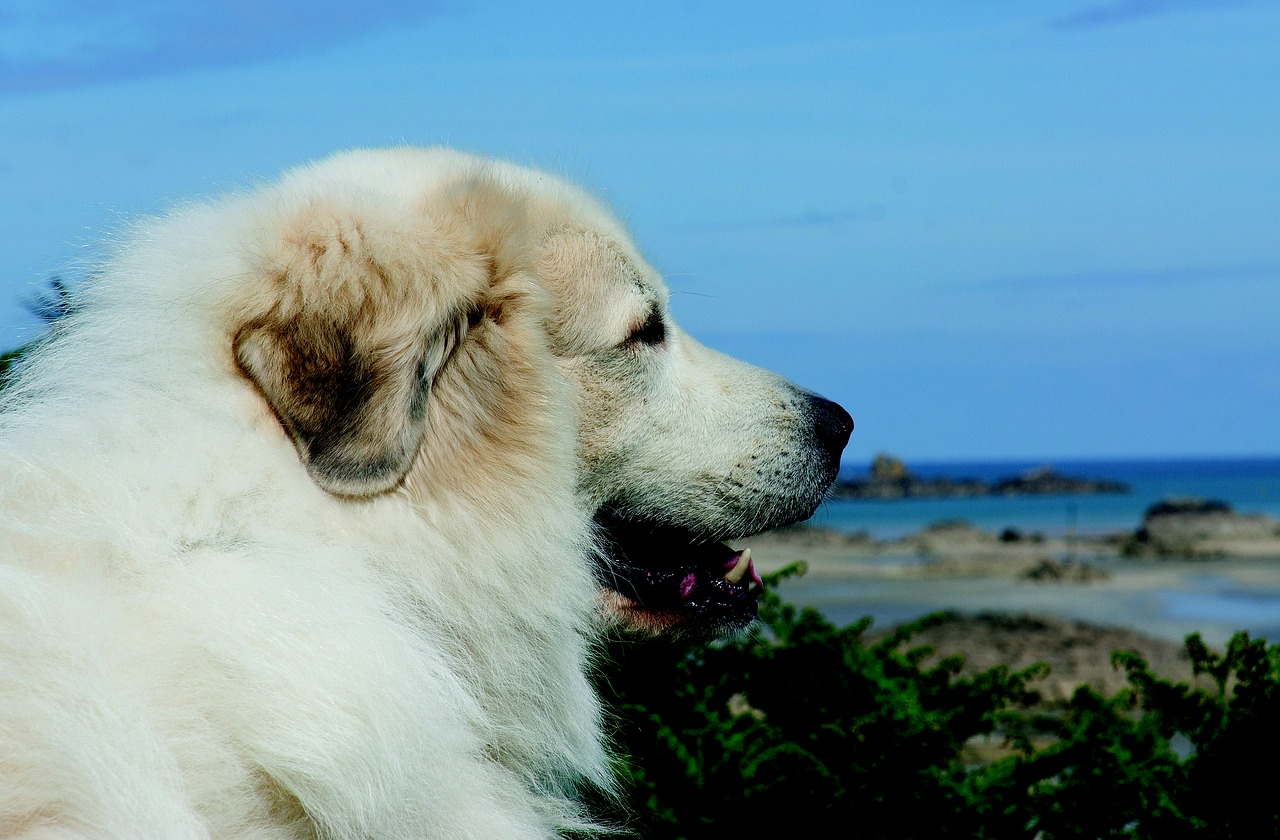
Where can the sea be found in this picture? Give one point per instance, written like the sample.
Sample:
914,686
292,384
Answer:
1249,485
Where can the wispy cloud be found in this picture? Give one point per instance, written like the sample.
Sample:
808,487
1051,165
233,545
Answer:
58,43
1127,10
1130,278
809,218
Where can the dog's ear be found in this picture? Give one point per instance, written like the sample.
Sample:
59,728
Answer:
356,411
359,320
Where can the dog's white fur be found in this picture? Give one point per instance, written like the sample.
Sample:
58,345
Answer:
212,624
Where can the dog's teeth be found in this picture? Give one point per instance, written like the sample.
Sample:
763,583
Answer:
739,568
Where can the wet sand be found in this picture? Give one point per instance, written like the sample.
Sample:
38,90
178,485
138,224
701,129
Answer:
973,572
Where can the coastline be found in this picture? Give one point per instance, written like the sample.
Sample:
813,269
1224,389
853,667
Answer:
1068,602
955,567
1248,484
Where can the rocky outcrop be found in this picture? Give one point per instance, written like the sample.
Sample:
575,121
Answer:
1065,571
1188,527
1077,653
1046,481
890,479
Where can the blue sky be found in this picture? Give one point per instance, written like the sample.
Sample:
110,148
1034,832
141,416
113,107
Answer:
990,229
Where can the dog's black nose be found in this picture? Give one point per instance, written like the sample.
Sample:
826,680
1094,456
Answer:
832,425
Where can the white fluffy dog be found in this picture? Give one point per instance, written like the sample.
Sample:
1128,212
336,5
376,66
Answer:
312,505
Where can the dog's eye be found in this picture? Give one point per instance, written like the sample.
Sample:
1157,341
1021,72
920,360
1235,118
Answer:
652,332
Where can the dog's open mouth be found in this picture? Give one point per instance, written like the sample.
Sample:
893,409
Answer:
669,580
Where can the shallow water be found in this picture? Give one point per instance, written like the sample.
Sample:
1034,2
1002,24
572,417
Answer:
1171,607
1245,608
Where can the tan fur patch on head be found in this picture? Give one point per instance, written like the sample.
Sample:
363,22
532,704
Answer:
499,409
591,273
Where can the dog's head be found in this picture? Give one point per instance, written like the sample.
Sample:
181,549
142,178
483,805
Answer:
428,314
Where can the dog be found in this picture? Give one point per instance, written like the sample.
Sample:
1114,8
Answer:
315,503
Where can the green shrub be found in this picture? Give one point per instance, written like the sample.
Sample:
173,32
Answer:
7,359
801,724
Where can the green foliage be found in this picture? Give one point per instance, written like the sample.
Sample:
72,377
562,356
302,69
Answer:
49,306
7,359
800,724
1225,789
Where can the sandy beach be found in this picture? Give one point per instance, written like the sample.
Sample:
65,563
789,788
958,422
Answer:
1067,602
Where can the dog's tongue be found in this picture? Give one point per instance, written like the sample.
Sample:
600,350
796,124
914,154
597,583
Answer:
737,573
